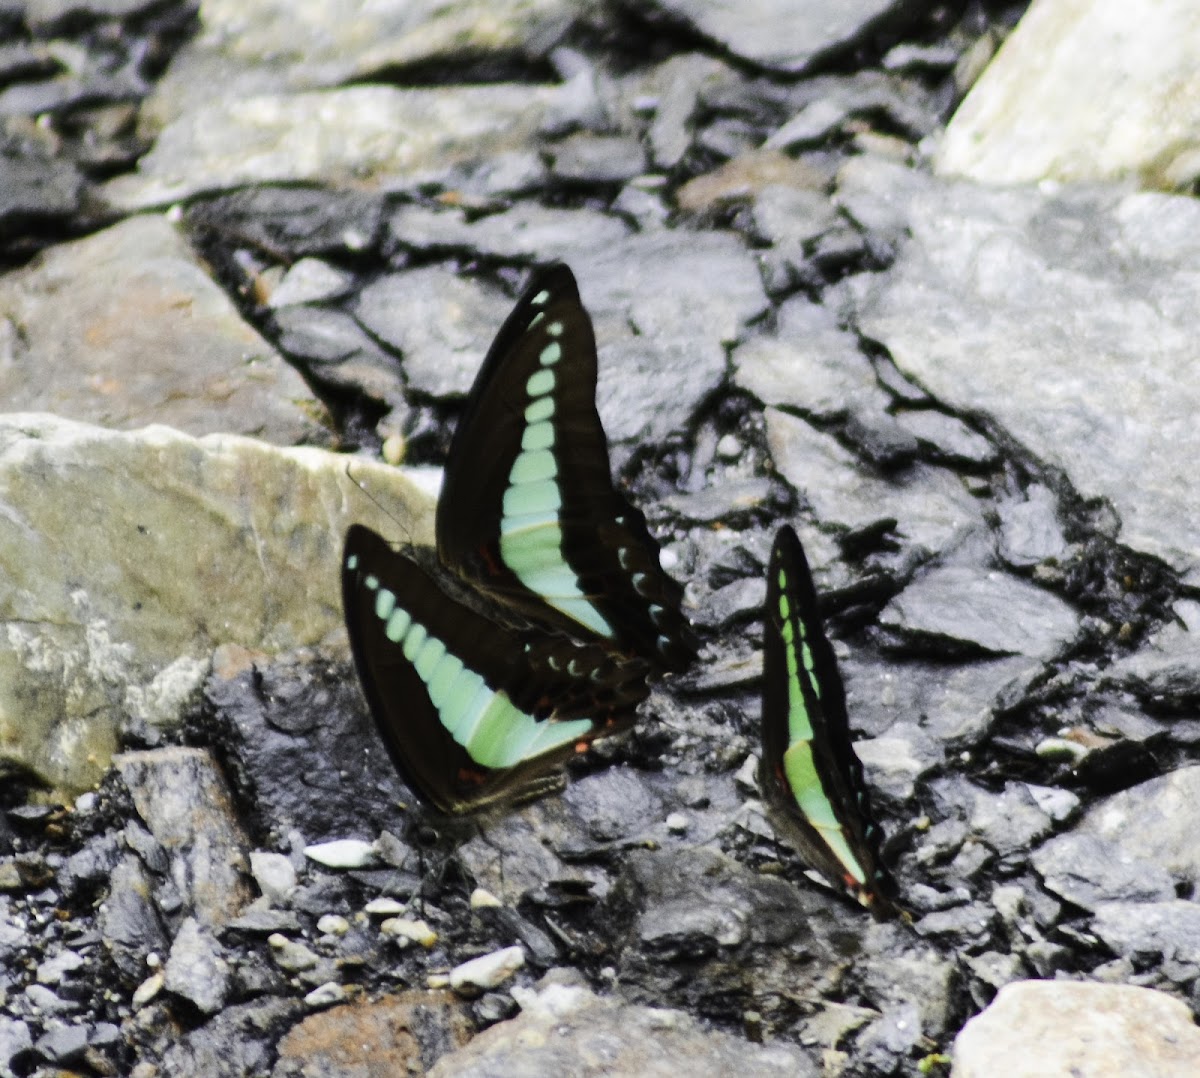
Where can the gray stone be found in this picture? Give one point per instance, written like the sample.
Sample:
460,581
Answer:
1008,822
982,611
597,159
783,39
1030,532
1155,821
1166,672
566,1029
15,1040
949,438
930,505
1071,1028
1044,109
311,281
146,337
1013,310
527,232
395,139
181,796
62,1044
33,190
441,323
1150,931
195,969
809,364
128,921
1087,870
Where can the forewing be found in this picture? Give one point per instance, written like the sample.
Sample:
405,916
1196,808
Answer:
528,511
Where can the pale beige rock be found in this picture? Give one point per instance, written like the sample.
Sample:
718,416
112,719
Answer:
1047,1029
127,557
1086,90
126,327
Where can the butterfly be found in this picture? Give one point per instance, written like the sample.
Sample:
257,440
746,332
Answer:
477,710
812,782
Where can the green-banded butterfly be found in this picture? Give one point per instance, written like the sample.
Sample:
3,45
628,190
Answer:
528,512
812,781
471,712
474,711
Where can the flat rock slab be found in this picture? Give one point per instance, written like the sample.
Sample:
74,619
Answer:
127,557
781,37
1045,109
373,137
988,611
1069,319
276,45
126,328
1044,1029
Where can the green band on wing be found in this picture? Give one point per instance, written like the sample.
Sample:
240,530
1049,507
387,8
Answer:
493,730
805,783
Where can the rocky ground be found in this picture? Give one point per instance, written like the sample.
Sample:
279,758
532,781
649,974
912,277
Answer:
250,249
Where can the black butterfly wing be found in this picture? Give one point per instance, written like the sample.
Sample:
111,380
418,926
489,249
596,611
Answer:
528,511
471,712
811,779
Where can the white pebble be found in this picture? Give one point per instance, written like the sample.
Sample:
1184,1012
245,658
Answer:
147,990
333,924
385,907
677,823
483,899
488,970
274,875
402,928
342,853
323,996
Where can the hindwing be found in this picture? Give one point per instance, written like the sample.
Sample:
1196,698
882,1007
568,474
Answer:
471,712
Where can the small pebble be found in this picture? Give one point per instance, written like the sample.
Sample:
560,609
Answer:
678,823
483,899
147,990
385,907
324,995
729,447
333,924
487,971
342,853
409,931
290,955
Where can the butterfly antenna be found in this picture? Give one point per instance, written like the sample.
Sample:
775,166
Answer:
400,525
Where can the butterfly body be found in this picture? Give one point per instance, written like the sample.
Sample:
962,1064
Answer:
477,710
812,781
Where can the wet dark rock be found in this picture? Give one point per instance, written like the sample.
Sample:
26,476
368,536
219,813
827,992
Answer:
129,922
182,798
1087,871
981,612
734,602
525,233
238,1041
289,729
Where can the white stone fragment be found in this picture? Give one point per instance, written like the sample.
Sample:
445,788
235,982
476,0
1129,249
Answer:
274,875
678,823
326,994
333,924
483,899
147,990
385,907
409,931
488,970
342,853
